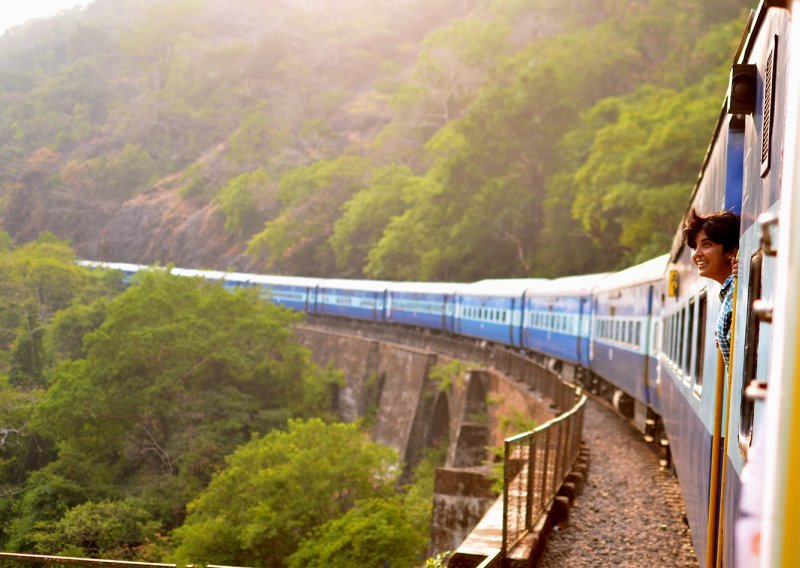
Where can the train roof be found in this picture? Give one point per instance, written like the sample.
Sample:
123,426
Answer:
502,287
273,280
123,266
646,272
360,285
568,285
426,287
197,273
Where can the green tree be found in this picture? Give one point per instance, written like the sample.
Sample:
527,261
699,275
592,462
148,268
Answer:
372,533
245,202
312,197
104,529
277,490
36,280
366,215
255,140
631,190
179,373
129,171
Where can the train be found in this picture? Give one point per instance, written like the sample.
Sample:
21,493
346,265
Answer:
644,337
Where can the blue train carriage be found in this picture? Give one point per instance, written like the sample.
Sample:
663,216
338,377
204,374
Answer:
493,309
771,501
422,304
357,299
622,329
293,292
557,320
742,173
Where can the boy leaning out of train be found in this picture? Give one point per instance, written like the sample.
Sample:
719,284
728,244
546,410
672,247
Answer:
715,241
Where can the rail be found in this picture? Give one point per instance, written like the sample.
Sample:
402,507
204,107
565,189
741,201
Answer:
535,465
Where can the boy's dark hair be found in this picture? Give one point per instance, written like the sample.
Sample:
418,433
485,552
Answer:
721,227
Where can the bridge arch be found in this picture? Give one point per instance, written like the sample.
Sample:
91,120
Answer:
439,432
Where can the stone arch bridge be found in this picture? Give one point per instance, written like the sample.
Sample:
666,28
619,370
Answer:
422,389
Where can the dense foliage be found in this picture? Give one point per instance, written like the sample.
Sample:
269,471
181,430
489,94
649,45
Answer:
296,480
409,139
122,408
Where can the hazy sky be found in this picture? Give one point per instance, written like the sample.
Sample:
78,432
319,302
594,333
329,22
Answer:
16,12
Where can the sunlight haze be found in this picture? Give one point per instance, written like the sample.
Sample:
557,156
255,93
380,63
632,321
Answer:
14,14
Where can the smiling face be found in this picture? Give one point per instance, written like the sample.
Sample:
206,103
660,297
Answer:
710,259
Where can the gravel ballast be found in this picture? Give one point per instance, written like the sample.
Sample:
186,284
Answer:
631,511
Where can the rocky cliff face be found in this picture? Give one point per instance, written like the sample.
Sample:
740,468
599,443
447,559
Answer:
157,226
160,227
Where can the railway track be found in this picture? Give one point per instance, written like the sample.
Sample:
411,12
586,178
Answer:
631,512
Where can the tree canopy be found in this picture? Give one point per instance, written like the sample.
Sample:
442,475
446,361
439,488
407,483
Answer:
277,489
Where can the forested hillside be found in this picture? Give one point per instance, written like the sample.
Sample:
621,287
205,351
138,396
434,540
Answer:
402,139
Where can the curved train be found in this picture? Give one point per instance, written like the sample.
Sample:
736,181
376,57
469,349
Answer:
645,336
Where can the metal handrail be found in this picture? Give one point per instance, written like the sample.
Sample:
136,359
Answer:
43,560
38,559
535,465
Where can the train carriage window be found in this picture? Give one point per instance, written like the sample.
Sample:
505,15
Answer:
638,334
750,349
655,337
669,331
690,335
673,348
681,338
699,351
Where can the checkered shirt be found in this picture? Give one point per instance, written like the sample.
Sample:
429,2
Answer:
723,330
